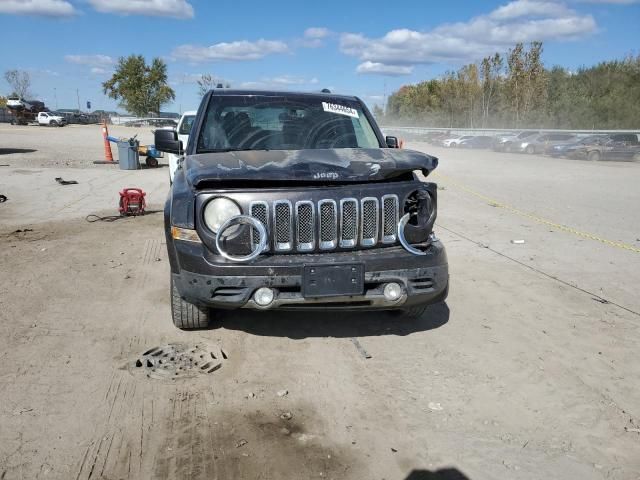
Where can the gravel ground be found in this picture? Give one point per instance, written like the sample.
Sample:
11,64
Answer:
528,371
71,146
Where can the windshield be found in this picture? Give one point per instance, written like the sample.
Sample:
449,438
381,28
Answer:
265,122
187,123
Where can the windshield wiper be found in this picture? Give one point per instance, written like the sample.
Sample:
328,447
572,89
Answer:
231,149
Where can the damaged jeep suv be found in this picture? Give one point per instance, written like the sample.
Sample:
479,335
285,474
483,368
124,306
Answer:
296,201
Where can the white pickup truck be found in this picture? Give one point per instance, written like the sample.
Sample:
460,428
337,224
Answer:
183,129
51,119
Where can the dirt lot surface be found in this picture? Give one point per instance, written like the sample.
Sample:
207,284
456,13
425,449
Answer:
529,371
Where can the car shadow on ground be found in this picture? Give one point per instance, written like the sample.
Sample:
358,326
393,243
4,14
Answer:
442,474
9,151
308,324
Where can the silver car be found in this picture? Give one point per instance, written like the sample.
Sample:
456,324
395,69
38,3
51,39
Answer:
540,143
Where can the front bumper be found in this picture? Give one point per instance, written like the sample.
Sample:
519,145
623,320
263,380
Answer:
424,279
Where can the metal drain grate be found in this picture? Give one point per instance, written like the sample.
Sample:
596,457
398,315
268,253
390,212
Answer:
179,360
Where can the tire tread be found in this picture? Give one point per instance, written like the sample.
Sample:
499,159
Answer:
186,315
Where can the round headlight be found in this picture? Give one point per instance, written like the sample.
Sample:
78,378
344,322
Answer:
218,211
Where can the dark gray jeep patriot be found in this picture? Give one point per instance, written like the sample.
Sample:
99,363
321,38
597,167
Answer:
296,201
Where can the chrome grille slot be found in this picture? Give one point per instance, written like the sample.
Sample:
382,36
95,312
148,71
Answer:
389,218
304,226
369,221
259,211
328,228
326,224
282,225
348,222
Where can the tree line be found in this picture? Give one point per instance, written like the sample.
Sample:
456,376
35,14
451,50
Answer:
517,91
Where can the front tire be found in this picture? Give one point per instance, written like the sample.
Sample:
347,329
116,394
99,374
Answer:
53,123
187,316
594,156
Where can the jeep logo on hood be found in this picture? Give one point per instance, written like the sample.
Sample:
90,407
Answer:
326,176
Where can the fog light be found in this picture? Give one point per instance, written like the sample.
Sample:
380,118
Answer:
264,296
392,291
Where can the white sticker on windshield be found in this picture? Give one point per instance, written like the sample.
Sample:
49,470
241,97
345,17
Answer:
340,109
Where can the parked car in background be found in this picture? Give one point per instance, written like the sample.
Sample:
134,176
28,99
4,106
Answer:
619,146
184,127
455,140
540,143
479,141
566,149
505,143
51,119
436,138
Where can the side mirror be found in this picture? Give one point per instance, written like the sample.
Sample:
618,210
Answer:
392,142
167,141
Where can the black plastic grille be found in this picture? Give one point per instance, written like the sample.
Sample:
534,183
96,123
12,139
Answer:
305,223
390,214
259,212
283,223
349,220
369,219
328,227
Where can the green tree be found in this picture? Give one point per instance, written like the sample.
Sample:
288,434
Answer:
3,101
19,81
141,89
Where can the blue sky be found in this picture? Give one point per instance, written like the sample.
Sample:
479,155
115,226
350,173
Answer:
368,48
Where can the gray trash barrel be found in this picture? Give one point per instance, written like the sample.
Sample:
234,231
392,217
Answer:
128,156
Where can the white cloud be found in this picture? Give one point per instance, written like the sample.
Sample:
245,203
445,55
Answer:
529,8
44,8
316,33
378,68
43,72
152,8
516,21
314,37
100,71
91,60
286,82
232,51
611,2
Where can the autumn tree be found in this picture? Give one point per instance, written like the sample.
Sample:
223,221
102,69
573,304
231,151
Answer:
523,93
141,89
207,82
491,69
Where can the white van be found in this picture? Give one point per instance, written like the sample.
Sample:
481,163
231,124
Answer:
183,129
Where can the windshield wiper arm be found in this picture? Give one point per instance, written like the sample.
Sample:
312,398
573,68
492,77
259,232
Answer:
231,149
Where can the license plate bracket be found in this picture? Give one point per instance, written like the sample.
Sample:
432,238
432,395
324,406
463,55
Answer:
333,280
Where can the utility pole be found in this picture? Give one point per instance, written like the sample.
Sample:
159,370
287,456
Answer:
384,97
78,96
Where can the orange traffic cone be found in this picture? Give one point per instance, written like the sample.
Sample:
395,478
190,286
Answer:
108,156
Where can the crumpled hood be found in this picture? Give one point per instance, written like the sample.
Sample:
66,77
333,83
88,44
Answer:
348,165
